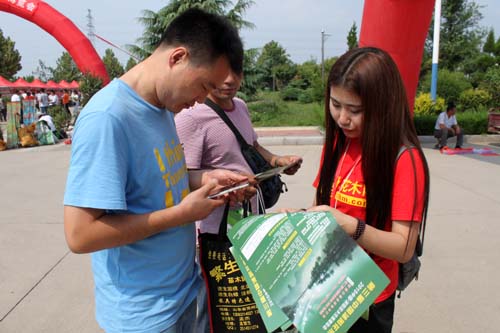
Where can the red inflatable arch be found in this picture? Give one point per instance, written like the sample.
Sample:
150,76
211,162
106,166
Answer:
399,27
62,29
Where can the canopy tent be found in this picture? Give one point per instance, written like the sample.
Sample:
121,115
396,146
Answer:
4,83
52,85
74,85
65,85
38,84
21,83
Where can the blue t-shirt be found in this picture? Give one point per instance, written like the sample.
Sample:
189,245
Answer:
126,159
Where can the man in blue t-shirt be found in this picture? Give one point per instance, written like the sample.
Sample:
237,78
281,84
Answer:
128,197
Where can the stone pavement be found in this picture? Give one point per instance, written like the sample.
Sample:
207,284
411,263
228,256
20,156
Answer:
44,288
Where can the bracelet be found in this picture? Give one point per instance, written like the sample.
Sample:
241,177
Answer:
360,229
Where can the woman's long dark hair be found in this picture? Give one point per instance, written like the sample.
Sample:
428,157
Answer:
371,74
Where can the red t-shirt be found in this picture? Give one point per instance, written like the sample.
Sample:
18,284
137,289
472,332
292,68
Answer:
349,195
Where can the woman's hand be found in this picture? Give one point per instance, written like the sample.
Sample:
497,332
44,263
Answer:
347,222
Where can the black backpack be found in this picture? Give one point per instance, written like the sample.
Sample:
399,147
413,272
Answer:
271,188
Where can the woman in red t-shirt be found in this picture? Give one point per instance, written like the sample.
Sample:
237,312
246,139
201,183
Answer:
367,174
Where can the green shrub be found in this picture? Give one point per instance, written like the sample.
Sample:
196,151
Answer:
425,106
306,96
424,123
471,122
290,93
491,83
449,84
474,99
60,116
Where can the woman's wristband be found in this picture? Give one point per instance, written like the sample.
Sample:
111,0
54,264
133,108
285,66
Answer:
360,229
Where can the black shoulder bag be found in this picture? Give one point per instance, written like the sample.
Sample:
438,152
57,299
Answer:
271,188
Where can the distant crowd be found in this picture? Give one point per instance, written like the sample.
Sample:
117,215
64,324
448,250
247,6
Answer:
44,99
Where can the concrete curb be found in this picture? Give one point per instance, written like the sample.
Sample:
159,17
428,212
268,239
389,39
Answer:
275,136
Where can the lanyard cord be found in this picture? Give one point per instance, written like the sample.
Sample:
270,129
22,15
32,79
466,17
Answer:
339,169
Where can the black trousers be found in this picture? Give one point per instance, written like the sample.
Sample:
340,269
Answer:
380,319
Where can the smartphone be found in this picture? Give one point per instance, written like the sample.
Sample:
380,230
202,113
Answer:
229,189
275,171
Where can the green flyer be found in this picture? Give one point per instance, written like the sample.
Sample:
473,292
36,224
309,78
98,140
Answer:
309,268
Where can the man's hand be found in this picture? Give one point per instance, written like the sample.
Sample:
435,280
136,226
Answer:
229,178
196,205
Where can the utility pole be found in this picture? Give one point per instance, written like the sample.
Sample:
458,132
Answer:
435,49
324,36
90,27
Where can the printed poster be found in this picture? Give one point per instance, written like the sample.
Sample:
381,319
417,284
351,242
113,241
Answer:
309,268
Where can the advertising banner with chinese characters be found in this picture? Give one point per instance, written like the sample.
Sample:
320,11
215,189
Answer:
304,268
26,6
13,114
231,305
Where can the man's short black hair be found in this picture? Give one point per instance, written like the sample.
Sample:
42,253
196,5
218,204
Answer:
451,105
207,37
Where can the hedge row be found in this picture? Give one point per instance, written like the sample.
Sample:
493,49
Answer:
470,122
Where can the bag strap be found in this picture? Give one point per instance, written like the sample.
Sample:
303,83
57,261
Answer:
223,223
228,121
421,229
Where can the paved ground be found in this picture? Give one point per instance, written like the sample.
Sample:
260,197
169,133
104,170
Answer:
44,288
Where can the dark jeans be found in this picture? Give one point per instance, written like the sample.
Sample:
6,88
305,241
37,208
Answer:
380,319
443,134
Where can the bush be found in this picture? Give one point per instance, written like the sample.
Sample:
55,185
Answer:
470,122
491,83
306,96
290,93
425,106
474,99
449,84
60,117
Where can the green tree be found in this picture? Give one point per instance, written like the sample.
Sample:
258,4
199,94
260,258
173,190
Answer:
251,73
460,35
10,59
277,68
155,23
130,63
497,47
113,66
489,45
352,37
89,85
491,83
66,69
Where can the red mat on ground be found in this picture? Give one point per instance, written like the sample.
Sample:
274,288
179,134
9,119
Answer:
461,151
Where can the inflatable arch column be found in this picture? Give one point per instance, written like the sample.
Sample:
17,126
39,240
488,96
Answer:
62,29
400,28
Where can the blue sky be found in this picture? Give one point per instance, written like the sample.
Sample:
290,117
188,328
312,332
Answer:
295,24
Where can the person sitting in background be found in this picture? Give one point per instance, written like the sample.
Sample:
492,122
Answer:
59,134
447,126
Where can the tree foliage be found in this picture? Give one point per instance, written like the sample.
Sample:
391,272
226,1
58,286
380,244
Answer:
66,69
489,45
130,63
155,23
89,85
352,37
10,59
460,35
277,68
251,73
112,64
